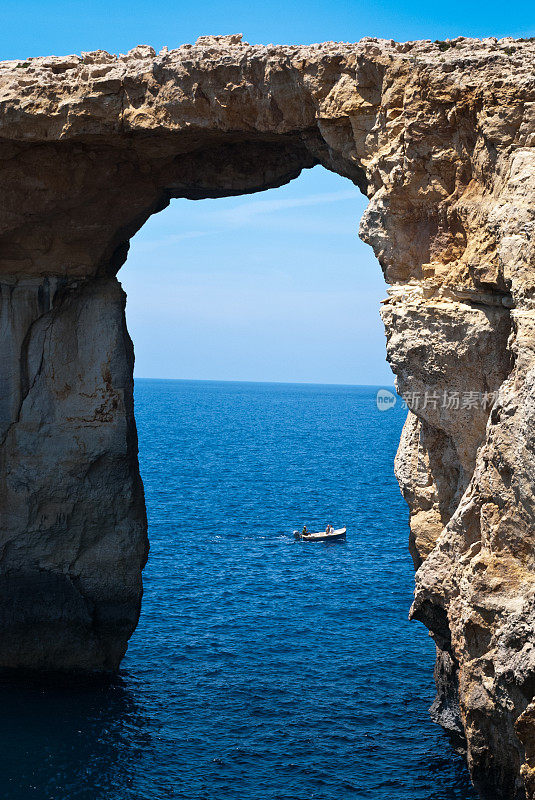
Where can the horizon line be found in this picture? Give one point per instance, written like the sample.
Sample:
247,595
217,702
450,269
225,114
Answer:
281,383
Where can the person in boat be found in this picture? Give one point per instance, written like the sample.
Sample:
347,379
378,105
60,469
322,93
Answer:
329,528
305,532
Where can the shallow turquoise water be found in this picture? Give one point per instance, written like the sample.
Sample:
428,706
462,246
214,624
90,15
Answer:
262,668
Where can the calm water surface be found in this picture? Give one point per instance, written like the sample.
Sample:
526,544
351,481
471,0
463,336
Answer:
262,668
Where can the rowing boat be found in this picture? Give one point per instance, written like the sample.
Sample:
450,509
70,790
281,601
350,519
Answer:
322,536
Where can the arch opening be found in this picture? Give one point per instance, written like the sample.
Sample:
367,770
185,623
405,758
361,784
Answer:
271,287
221,585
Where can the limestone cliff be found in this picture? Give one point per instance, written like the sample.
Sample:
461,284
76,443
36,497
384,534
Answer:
441,138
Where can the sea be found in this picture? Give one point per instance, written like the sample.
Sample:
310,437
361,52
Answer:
263,668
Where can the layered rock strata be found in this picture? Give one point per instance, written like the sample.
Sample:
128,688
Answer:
441,138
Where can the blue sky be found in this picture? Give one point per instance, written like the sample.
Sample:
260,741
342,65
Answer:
40,27
275,286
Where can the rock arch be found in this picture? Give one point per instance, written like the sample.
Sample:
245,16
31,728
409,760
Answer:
442,144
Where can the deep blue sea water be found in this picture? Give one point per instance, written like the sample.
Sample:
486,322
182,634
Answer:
262,668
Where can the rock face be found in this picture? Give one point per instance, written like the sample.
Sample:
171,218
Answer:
441,138
73,518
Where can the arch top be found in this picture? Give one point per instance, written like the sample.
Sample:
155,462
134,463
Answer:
92,144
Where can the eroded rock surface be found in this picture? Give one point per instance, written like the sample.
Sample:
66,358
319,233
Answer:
441,137
72,515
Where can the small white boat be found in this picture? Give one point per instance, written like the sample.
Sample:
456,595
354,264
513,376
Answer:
322,536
